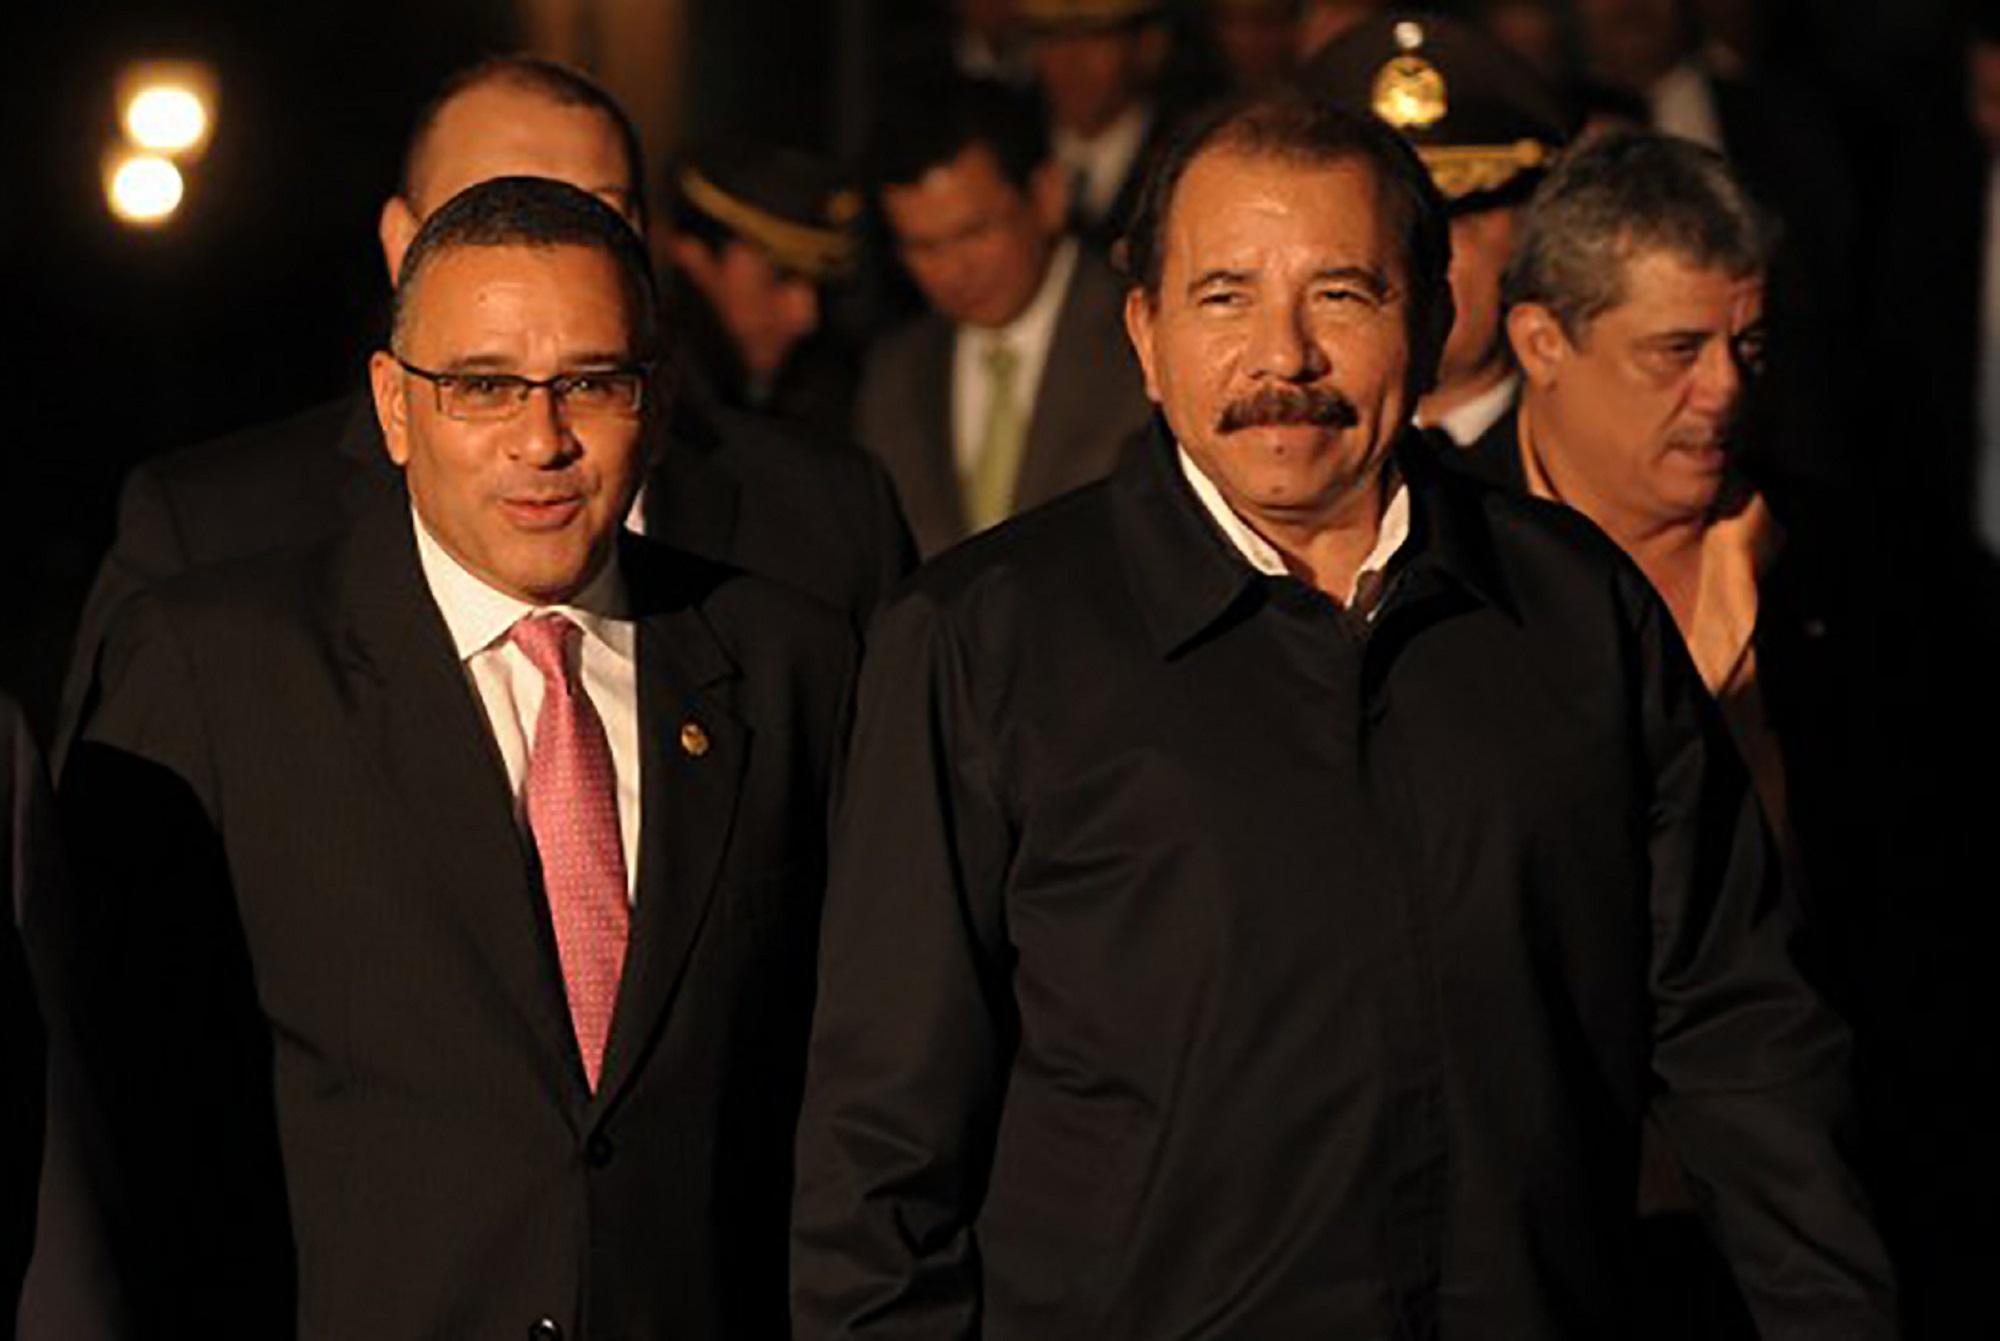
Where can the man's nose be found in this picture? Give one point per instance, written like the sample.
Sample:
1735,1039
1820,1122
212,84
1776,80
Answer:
1283,344
801,310
1718,379
544,437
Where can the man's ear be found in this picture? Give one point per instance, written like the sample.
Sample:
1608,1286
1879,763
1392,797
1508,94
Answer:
1139,318
396,227
1048,195
1540,344
392,404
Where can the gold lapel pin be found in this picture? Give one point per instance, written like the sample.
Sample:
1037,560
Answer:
694,740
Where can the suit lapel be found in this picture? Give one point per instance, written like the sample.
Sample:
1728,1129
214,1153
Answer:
693,749
420,728
1063,403
938,510
690,503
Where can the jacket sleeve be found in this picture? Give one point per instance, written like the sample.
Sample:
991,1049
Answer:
893,553
1749,1063
912,1034
156,1031
146,549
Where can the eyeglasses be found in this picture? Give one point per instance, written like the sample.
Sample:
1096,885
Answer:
605,393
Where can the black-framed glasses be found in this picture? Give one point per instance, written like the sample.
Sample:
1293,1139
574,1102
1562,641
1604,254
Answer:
601,393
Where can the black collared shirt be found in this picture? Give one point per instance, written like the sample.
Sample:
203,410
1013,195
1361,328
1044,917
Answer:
1198,962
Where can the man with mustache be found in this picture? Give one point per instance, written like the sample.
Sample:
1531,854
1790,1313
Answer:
1271,884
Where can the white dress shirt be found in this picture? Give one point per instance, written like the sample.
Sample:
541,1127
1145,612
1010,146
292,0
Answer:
510,688
1029,335
1104,160
1364,597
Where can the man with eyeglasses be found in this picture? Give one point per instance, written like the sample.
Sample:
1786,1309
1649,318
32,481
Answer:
728,486
443,949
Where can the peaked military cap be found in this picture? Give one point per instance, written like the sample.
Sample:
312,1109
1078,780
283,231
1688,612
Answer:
794,205
1484,123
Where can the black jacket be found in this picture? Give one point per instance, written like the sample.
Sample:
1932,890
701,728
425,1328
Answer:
1198,964
29,876
316,1001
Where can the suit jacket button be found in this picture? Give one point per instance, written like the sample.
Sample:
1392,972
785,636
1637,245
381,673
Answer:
597,1150
544,1329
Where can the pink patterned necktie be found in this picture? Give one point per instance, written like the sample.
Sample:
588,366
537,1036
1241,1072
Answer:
572,802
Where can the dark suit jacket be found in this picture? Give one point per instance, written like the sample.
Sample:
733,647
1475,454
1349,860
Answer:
1199,964
1090,400
729,487
28,872
318,1005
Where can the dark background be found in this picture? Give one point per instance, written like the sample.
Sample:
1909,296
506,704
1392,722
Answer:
262,296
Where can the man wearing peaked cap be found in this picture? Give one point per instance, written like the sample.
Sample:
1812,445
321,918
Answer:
1487,127
753,233
1096,62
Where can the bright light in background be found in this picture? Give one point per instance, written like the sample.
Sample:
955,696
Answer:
144,189
166,111
169,118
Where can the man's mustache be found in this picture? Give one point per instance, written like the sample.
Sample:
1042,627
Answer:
1324,407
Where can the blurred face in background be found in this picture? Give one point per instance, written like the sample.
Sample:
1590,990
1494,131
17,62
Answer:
765,308
1532,30
1983,91
1258,42
1631,43
501,130
1092,78
1320,21
1480,243
977,244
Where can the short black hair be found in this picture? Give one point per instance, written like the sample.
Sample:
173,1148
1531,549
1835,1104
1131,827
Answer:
529,74
533,212
1293,125
932,124
1621,195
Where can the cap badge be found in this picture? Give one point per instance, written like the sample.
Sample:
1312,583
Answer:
1409,93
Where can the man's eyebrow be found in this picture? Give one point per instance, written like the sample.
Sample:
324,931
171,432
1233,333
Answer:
1367,276
1219,275
587,361
470,363
600,360
1680,335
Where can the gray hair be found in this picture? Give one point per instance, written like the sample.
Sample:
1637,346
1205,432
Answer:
1626,194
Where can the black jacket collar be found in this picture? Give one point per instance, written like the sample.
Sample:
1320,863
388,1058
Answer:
1189,578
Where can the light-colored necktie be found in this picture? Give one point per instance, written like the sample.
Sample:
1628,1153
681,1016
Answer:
572,803
996,469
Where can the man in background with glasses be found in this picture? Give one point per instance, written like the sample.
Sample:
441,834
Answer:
442,954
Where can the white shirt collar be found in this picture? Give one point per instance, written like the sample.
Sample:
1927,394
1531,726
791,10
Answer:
1105,158
1261,554
478,615
1466,422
